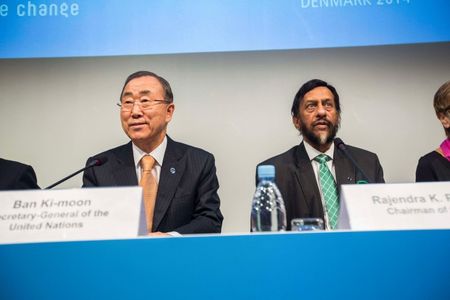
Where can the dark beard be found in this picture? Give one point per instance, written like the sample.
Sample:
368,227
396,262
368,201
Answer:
314,139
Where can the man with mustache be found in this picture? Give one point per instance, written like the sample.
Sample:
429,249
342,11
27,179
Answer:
309,175
179,181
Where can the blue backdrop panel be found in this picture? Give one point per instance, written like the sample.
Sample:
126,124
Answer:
114,27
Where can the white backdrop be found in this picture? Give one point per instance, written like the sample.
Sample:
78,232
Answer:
55,113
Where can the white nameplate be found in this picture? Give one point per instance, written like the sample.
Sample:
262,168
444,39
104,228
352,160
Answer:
395,206
72,214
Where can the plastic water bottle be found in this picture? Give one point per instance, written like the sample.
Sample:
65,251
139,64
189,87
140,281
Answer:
268,211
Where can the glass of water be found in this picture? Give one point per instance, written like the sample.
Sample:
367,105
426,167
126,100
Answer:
307,224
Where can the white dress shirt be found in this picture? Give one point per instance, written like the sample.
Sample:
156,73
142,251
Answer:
157,154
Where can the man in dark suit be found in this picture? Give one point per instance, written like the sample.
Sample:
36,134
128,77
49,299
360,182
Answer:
309,175
186,199
16,176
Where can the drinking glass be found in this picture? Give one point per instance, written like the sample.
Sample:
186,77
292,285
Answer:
307,224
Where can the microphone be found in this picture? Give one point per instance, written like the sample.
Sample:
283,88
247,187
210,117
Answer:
94,163
341,146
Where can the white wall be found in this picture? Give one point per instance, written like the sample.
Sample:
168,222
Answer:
55,113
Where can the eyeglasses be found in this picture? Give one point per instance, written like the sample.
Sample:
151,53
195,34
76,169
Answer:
143,104
446,110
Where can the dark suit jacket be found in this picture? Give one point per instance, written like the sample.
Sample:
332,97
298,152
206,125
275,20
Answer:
187,200
294,176
433,167
16,176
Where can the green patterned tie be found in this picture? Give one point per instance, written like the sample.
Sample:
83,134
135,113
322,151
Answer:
329,190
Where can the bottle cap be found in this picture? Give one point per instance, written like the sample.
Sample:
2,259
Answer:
266,171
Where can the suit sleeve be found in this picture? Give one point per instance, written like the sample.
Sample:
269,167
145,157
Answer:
379,176
424,172
207,217
89,178
26,179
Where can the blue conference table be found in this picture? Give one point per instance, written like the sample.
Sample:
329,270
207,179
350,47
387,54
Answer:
411,264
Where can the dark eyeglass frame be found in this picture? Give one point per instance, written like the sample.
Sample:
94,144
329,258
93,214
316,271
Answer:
149,104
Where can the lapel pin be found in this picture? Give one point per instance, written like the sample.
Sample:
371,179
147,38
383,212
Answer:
172,170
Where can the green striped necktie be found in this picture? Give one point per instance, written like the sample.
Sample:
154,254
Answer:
329,190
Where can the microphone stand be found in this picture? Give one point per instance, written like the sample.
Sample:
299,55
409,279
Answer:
341,146
96,162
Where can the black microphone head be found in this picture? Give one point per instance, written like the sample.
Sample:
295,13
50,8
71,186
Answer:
339,143
98,161
101,160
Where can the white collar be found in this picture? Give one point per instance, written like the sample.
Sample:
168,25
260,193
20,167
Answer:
313,152
157,153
